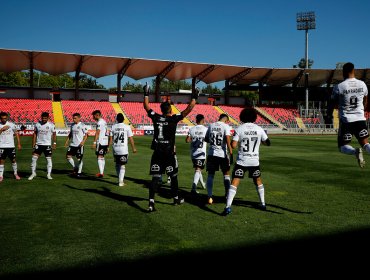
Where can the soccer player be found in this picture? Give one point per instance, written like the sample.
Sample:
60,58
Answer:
7,146
163,145
351,98
100,143
218,136
119,136
44,134
198,149
247,137
77,137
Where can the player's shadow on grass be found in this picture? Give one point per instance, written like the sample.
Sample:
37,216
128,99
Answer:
130,200
253,204
201,200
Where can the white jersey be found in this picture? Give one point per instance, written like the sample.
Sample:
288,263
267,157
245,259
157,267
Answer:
104,134
120,133
249,137
216,135
350,94
198,146
78,132
44,133
7,136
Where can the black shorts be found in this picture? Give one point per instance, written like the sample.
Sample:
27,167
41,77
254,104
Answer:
7,152
164,163
41,149
77,152
199,163
239,170
121,159
346,130
101,150
215,163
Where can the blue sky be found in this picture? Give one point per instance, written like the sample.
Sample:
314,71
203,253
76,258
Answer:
235,32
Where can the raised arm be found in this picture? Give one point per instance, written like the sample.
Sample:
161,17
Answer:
193,101
146,89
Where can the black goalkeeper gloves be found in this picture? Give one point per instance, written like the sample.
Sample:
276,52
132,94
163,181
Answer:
146,89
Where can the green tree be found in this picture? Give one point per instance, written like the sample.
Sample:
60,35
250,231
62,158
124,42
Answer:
302,63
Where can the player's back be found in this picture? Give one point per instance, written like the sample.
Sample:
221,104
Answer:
249,137
351,93
198,145
120,133
216,135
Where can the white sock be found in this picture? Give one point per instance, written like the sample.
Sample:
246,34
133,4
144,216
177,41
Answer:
201,178
261,193
1,170
101,164
210,184
367,147
122,173
34,164
347,149
230,196
197,175
71,161
15,167
49,165
81,163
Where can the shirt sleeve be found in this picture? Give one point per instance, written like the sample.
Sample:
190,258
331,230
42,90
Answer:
129,132
264,136
236,135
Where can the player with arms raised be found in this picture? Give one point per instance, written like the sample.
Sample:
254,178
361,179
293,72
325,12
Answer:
164,158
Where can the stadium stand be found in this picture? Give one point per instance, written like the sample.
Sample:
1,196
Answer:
136,113
285,115
85,108
234,112
211,115
26,110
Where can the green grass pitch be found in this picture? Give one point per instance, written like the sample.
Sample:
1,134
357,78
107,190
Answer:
317,198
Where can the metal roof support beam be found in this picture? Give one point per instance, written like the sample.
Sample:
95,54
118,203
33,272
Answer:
267,76
297,79
160,77
31,93
237,77
120,75
196,79
330,79
77,76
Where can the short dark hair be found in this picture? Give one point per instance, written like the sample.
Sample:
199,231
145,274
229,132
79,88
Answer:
199,118
120,118
165,107
223,116
347,69
248,115
44,114
76,115
3,114
96,112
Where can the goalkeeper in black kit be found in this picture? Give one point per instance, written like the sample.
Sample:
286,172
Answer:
164,158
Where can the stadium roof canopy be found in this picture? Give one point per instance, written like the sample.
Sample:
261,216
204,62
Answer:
97,66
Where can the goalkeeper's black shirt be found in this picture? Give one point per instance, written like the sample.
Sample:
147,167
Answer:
164,131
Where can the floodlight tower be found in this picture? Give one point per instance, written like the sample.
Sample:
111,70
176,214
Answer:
306,21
